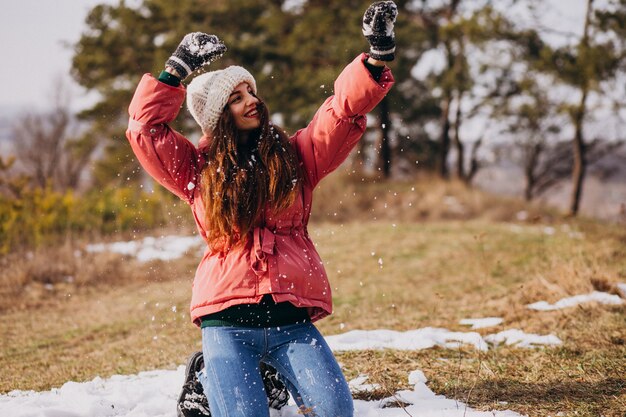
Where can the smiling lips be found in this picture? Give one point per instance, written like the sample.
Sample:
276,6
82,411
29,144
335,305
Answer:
252,114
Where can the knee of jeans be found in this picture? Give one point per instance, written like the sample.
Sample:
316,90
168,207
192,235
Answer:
333,406
343,409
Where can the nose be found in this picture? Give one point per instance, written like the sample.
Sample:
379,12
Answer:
251,99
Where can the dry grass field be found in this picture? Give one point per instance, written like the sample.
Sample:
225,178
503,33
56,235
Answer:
399,257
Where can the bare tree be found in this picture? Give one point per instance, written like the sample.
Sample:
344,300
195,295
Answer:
549,163
11,185
578,115
595,59
47,148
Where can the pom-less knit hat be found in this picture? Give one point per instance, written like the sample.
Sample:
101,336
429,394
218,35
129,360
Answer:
208,94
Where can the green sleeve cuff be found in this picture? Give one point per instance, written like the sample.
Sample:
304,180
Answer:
169,79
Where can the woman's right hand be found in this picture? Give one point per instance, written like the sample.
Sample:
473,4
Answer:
378,24
195,50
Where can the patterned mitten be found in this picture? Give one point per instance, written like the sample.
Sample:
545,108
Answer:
378,22
195,50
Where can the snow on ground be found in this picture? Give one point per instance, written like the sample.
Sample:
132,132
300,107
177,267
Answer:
424,338
150,248
622,289
428,337
599,297
481,323
154,394
358,384
520,339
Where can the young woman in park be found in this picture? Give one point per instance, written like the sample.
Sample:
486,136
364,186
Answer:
260,284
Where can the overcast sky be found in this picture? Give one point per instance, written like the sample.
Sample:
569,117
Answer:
34,32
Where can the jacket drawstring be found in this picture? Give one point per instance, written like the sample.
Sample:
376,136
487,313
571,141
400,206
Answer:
263,244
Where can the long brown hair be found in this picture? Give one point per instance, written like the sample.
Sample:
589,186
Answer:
240,180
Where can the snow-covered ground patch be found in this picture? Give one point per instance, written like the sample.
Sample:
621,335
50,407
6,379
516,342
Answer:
621,288
429,337
154,394
520,339
424,338
150,248
358,384
482,322
597,296
151,393
425,403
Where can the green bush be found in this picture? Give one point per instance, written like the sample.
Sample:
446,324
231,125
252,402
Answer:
39,216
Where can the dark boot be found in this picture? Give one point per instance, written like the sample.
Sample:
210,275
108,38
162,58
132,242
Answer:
277,393
192,402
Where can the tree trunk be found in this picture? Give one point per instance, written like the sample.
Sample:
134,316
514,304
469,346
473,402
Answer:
474,165
579,167
385,147
460,150
444,141
529,170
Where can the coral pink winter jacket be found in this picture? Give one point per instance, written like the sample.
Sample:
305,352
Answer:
279,257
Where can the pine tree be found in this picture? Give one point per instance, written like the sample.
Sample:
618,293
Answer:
295,55
588,66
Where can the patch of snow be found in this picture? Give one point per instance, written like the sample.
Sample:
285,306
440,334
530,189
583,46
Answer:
429,337
423,402
621,288
410,340
358,384
154,394
164,248
520,339
597,296
151,393
416,377
481,323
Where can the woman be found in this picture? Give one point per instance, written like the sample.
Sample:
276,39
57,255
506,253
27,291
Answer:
260,284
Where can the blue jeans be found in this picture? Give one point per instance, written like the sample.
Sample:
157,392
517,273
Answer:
232,380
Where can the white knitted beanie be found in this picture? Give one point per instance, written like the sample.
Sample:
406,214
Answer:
208,93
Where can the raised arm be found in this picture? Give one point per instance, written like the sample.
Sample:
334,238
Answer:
340,122
171,159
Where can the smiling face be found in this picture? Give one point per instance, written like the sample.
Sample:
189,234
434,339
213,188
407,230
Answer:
242,104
